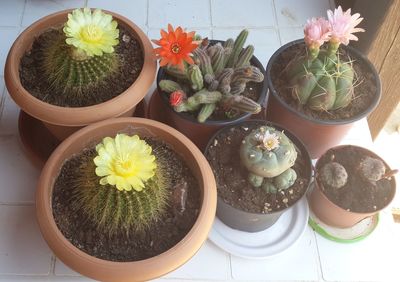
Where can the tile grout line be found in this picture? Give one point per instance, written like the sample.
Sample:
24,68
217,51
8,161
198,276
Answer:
276,22
147,15
17,204
210,12
23,13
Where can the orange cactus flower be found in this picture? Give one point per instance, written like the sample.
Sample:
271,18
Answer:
176,46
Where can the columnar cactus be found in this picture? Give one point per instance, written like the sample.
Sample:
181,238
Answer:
322,80
220,71
268,155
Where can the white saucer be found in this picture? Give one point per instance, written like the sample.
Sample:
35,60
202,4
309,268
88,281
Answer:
264,244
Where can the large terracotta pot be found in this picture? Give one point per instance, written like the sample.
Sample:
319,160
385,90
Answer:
200,133
332,214
63,121
317,135
254,222
126,271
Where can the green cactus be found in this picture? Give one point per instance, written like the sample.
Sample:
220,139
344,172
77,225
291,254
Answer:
220,70
334,175
372,169
286,179
267,153
205,112
119,211
324,83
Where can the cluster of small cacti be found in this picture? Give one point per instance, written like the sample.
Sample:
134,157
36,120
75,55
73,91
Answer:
82,55
334,175
217,78
269,155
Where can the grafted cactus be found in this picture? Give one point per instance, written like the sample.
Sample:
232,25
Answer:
334,175
220,71
268,155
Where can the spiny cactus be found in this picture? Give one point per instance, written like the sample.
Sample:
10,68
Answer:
119,210
220,71
268,155
82,55
372,169
334,175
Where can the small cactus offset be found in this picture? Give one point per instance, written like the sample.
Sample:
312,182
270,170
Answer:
221,71
322,80
334,175
372,169
124,190
268,155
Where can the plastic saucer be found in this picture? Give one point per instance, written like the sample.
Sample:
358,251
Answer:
267,243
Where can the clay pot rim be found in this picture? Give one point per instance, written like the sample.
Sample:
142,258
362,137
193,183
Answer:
76,116
318,185
297,142
355,53
195,237
261,99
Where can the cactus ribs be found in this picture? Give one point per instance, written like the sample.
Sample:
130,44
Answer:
101,87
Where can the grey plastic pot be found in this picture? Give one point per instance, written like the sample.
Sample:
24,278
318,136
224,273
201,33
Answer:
255,222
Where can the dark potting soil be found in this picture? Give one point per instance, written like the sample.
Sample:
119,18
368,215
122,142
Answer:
364,86
160,236
231,176
130,57
359,194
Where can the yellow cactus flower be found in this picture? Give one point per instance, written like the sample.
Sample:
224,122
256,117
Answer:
94,33
126,162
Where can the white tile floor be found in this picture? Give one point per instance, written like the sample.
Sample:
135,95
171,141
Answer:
24,256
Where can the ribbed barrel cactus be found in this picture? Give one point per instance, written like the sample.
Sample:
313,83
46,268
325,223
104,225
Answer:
322,80
334,174
83,54
122,189
268,155
208,76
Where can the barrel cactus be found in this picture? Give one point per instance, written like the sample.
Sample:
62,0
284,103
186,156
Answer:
269,155
322,80
334,175
212,76
121,187
372,169
82,54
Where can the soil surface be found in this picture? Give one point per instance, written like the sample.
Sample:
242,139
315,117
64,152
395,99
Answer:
161,235
130,57
231,176
364,86
359,194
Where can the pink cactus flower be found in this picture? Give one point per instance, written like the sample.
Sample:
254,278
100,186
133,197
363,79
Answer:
316,32
343,25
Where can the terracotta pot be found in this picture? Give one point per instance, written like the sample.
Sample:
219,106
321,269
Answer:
317,135
329,212
254,222
126,271
63,121
200,133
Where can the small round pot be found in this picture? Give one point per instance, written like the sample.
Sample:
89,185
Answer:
317,135
254,222
332,214
142,270
198,132
63,121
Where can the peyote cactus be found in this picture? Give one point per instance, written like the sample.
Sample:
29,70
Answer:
321,80
372,169
83,54
123,188
334,175
215,77
268,155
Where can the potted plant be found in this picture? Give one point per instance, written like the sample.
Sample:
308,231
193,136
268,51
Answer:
126,199
77,67
318,90
351,183
205,85
261,170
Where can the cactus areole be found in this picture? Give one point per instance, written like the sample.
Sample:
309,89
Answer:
224,81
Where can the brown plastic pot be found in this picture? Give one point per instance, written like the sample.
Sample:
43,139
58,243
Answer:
63,121
317,135
255,222
198,132
332,214
126,271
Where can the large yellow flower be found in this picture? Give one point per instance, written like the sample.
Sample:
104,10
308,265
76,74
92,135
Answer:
126,162
94,33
